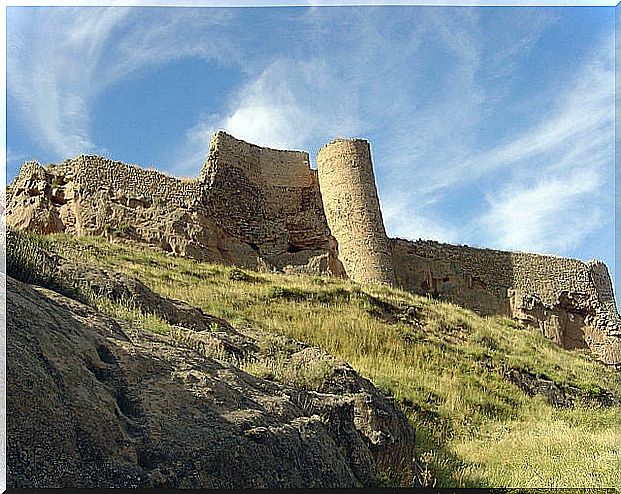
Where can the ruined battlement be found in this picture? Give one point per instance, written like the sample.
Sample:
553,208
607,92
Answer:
568,300
266,208
266,197
91,173
498,271
263,166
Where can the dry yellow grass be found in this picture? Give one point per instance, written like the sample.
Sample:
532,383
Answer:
444,365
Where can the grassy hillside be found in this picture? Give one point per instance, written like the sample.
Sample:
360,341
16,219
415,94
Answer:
452,372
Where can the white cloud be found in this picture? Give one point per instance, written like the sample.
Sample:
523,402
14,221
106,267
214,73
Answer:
290,105
266,111
51,62
362,87
545,188
559,173
553,215
402,219
581,114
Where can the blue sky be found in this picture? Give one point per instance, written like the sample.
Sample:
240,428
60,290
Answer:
489,126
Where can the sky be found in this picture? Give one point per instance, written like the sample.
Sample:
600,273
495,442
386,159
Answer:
489,126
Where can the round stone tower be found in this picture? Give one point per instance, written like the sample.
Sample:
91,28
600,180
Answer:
352,209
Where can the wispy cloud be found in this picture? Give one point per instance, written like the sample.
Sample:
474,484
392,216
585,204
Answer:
582,114
363,82
287,106
52,60
545,188
552,215
557,184
61,60
412,223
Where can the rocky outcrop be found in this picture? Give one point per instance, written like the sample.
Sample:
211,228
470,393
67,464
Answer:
572,321
95,402
556,394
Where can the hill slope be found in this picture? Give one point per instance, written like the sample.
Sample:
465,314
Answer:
493,403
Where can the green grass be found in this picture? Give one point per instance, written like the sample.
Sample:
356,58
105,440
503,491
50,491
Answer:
443,364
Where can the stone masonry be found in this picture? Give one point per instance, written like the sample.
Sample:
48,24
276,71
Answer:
569,301
352,208
264,208
264,196
255,207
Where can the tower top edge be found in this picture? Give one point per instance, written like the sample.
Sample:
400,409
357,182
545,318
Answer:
222,135
344,140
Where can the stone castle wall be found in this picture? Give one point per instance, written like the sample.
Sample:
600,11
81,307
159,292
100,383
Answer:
603,284
262,166
571,302
265,208
548,276
494,271
267,197
252,206
95,173
475,278
353,212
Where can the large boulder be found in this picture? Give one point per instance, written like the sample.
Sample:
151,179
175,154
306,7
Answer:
95,402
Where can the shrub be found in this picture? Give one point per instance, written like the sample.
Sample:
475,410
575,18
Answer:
293,294
237,274
29,260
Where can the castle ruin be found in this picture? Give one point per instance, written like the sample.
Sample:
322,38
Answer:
263,208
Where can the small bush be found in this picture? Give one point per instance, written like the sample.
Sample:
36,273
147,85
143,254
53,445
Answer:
237,274
302,373
124,228
484,339
329,296
291,294
29,261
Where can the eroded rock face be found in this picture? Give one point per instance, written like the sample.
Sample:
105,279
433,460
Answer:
33,209
92,402
572,321
562,322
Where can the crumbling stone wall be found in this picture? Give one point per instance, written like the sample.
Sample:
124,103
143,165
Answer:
494,271
268,198
476,278
603,285
549,275
251,206
89,194
353,212
130,183
571,302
